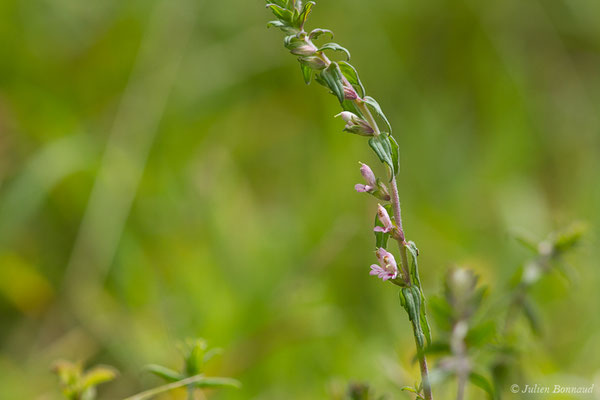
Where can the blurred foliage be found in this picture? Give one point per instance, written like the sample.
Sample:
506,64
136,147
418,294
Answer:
78,384
195,355
166,173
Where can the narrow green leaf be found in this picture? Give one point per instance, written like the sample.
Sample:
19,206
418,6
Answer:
409,304
300,20
280,3
382,146
352,75
288,40
412,305
335,47
315,33
210,354
165,373
319,79
527,241
483,383
280,12
217,382
413,253
332,76
193,380
424,321
97,375
568,238
412,390
395,154
276,23
374,106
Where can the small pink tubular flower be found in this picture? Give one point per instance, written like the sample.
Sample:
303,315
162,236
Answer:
384,217
369,176
387,268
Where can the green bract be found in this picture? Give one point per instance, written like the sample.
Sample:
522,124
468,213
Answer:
386,148
331,77
335,47
352,76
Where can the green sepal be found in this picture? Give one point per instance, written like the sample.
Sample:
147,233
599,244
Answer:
352,75
386,148
332,78
335,47
374,106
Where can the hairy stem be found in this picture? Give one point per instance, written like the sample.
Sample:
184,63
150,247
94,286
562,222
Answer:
425,376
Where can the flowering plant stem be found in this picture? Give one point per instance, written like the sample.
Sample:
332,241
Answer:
359,113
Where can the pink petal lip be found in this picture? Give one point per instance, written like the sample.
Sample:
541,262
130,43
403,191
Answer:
381,229
359,187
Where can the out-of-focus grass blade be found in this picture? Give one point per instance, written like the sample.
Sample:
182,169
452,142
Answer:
197,380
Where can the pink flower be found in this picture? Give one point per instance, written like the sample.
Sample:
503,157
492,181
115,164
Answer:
387,268
369,176
384,217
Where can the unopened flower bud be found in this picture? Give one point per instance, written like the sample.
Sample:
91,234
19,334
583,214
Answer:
313,62
382,192
369,176
385,219
303,49
350,93
355,124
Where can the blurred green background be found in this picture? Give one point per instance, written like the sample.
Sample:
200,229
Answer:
165,173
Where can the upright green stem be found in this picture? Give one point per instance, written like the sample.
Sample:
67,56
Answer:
424,372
